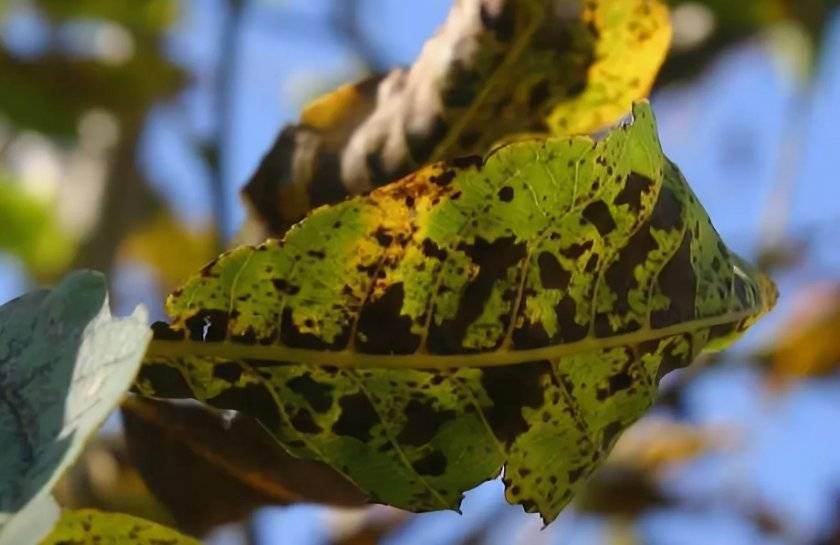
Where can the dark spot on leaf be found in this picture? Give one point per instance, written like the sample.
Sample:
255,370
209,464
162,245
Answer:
317,394
493,260
422,422
254,400
432,250
433,464
552,274
511,388
383,329
609,435
568,329
667,214
444,178
467,161
598,214
678,283
506,194
303,422
163,332
635,186
358,416
228,371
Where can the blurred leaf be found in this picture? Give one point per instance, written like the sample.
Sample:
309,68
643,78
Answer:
210,469
628,484
31,232
531,356
144,16
64,364
733,22
170,248
493,71
49,94
88,527
809,343
105,478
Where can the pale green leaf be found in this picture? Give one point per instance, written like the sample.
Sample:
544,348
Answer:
64,364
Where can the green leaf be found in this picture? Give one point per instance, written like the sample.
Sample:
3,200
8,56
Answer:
64,365
31,231
516,311
490,73
88,527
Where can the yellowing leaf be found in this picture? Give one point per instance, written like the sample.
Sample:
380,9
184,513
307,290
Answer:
171,249
516,311
809,343
493,71
633,38
88,527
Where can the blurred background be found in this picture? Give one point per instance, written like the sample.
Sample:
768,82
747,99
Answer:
128,128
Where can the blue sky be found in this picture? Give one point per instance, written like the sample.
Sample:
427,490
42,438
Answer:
729,131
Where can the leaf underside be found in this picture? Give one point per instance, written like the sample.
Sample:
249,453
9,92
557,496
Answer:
64,364
494,70
514,311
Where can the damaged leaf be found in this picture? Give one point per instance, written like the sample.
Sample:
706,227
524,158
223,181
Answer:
513,311
496,69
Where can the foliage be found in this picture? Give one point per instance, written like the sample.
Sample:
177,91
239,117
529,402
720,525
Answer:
510,303
88,527
474,314
31,232
64,364
489,74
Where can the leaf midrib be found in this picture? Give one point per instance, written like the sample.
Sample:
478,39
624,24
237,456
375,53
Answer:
227,350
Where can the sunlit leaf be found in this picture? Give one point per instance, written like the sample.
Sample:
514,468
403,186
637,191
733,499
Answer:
64,364
491,72
88,527
512,311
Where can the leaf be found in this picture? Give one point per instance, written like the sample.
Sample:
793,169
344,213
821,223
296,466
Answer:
64,364
31,232
88,527
515,310
492,71
808,344
170,248
210,469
